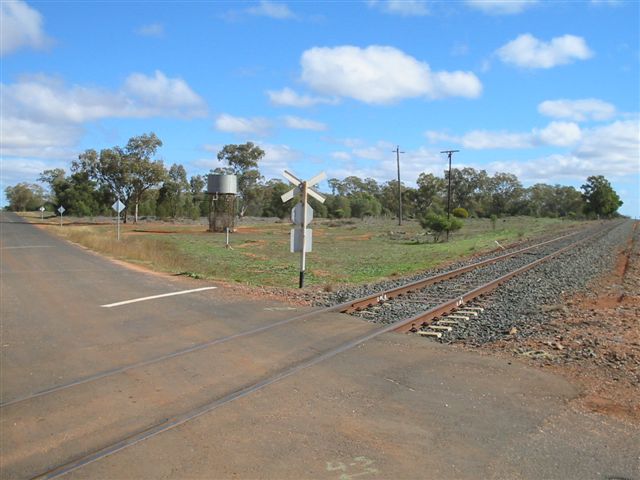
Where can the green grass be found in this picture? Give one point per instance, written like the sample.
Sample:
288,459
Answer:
343,252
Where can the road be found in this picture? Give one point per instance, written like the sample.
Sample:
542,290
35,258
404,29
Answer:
393,407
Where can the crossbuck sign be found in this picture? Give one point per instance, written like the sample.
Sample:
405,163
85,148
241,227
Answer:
301,215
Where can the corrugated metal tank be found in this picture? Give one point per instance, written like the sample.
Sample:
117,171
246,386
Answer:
222,184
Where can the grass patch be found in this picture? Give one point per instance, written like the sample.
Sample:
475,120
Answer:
343,252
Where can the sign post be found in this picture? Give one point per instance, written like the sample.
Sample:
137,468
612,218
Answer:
41,213
118,206
301,215
61,209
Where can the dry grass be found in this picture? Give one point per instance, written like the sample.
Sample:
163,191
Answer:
149,250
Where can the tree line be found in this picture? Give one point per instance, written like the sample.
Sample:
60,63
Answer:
148,188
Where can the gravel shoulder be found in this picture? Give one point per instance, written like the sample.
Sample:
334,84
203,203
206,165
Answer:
592,338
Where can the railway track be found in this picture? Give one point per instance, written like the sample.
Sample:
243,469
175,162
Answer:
425,300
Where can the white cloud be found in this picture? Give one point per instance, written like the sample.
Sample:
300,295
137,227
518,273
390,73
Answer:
380,75
482,139
616,145
407,8
379,151
289,98
578,110
501,7
612,150
265,8
163,96
47,98
42,117
303,123
21,27
16,170
26,138
378,161
560,134
528,52
242,126
341,156
151,30
277,158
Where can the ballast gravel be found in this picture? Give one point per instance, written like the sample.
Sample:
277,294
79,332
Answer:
516,306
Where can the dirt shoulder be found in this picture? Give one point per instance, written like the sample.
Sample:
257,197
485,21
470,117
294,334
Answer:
593,339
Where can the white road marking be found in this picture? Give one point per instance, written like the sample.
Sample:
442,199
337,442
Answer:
26,246
142,299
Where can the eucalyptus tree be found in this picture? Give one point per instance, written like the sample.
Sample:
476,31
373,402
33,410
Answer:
599,197
127,172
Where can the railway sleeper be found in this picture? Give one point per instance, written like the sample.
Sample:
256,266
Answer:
445,321
443,328
425,333
458,317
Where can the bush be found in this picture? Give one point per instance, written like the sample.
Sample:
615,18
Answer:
460,213
439,223
494,219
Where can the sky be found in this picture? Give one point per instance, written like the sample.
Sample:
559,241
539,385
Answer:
549,91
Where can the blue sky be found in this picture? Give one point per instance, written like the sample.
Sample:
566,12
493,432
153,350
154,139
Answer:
546,90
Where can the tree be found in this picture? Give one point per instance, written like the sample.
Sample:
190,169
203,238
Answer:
24,196
171,196
439,223
505,189
242,160
273,204
145,173
600,198
127,172
76,192
198,197
338,206
364,204
430,191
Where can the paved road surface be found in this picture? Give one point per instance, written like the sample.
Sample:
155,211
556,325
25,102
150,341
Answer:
395,407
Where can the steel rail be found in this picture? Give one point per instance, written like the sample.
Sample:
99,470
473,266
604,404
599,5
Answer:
381,296
447,307
181,419
345,307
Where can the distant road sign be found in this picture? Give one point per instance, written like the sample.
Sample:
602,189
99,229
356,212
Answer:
61,209
296,214
41,209
118,206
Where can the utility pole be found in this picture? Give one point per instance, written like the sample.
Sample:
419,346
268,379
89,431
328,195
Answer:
398,152
449,153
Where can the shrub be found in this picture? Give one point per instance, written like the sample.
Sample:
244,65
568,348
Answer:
460,212
439,223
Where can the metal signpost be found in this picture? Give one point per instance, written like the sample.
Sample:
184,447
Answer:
41,213
61,209
301,215
118,206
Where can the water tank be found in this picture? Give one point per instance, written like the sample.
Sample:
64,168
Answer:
222,184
